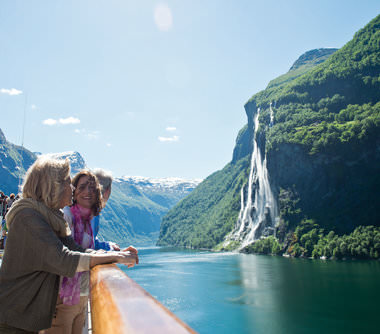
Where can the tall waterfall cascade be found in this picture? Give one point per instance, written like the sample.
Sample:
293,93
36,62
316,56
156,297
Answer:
259,211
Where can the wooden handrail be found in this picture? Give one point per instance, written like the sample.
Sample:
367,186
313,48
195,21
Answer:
120,305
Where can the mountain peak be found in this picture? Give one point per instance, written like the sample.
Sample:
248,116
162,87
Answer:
165,182
313,57
76,160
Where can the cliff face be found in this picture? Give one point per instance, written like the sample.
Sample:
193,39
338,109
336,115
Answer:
338,191
320,132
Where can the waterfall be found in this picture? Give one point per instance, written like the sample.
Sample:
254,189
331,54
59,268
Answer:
271,115
258,213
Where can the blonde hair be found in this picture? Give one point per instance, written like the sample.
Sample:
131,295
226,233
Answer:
44,181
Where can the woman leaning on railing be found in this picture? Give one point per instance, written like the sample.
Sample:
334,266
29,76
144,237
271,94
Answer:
39,249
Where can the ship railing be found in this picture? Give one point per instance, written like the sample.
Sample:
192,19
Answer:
119,305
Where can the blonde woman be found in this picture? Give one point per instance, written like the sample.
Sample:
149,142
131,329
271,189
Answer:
39,250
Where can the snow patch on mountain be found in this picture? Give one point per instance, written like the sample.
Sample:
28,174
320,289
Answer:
76,160
166,183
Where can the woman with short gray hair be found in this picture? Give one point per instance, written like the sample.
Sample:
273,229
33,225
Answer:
105,179
39,249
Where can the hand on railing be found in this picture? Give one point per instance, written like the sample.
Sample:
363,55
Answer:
129,258
130,249
114,246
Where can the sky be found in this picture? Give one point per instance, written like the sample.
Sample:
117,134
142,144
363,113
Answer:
152,88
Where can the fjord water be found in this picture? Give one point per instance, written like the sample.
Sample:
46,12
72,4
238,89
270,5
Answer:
239,293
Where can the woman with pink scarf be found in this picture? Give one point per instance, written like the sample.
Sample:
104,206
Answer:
73,294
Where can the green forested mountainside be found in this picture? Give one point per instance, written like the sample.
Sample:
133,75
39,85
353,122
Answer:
130,217
209,212
331,104
135,208
323,150
309,240
302,65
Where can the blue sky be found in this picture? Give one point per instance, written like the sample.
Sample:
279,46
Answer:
152,88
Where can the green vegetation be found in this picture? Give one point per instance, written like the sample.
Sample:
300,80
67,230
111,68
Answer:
202,219
269,245
307,61
309,240
334,103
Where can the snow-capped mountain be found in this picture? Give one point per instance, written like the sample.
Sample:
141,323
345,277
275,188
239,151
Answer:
137,204
76,160
161,184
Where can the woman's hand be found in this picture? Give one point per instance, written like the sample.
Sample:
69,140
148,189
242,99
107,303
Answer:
128,258
130,249
133,250
114,246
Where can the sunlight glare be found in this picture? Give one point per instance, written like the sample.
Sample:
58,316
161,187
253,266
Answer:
163,17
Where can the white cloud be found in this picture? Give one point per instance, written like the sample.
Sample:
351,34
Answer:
63,121
171,128
163,17
108,145
130,114
92,135
49,121
69,120
168,139
33,106
12,91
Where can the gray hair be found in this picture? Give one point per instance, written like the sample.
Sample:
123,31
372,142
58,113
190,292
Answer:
104,177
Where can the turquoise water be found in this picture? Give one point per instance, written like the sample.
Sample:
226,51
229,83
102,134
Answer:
238,293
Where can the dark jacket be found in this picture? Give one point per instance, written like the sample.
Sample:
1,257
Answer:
34,258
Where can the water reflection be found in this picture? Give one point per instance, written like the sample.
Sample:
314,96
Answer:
237,293
305,296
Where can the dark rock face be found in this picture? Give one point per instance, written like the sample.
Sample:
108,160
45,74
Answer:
338,191
244,141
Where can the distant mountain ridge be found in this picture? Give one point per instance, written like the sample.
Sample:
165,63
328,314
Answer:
77,162
143,201
134,210
160,183
14,161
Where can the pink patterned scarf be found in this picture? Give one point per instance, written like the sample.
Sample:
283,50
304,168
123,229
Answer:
83,236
